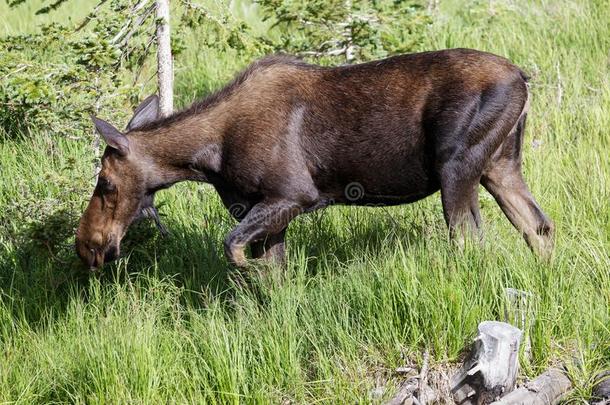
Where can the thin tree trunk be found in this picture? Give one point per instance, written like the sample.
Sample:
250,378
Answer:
97,164
348,34
165,72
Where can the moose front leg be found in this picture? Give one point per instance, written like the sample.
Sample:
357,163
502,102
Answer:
265,220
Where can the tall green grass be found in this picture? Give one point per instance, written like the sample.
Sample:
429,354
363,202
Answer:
365,289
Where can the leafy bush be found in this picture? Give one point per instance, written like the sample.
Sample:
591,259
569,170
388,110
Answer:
52,89
55,78
340,31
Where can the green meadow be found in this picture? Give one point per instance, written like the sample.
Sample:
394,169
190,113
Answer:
365,290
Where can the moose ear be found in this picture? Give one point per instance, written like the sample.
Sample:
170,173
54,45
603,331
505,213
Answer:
146,113
113,137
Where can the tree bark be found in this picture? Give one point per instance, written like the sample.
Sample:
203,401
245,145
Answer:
165,72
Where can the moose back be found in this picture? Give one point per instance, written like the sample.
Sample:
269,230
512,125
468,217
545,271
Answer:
287,137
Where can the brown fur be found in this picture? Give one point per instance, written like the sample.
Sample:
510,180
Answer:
286,137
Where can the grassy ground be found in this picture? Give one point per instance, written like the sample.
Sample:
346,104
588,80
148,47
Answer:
365,289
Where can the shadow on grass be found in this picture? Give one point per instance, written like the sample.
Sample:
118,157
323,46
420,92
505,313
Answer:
40,272
38,269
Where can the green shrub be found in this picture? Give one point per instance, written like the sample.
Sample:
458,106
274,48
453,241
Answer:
54,79
340,31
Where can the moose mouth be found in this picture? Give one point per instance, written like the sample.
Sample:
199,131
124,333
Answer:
96,258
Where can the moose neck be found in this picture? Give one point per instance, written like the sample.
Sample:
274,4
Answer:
186,146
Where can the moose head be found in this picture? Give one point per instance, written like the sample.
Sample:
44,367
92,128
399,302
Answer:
124,191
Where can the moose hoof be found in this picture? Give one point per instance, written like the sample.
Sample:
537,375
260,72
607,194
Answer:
236,255
542,246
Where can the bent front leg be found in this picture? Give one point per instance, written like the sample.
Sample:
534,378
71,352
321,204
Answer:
264,221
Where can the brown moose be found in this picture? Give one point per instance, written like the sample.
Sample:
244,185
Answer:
286,137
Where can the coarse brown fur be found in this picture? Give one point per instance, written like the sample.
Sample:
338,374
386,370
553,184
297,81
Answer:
286,137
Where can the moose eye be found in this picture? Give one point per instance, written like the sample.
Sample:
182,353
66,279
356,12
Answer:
105,185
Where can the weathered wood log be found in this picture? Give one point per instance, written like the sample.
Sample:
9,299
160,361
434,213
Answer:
422,389
490,370
546,389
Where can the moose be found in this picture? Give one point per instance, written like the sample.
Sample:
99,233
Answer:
286,137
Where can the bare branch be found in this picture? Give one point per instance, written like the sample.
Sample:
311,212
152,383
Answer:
90,16
143,57
137,24
124,29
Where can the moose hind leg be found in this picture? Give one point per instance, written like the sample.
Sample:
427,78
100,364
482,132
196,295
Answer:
507,186
265,221
504,181
460,204
465,143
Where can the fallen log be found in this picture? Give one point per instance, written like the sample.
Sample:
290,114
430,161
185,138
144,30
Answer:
490,370
423,380
546,389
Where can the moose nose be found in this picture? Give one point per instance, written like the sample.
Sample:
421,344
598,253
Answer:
104,255
86,255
